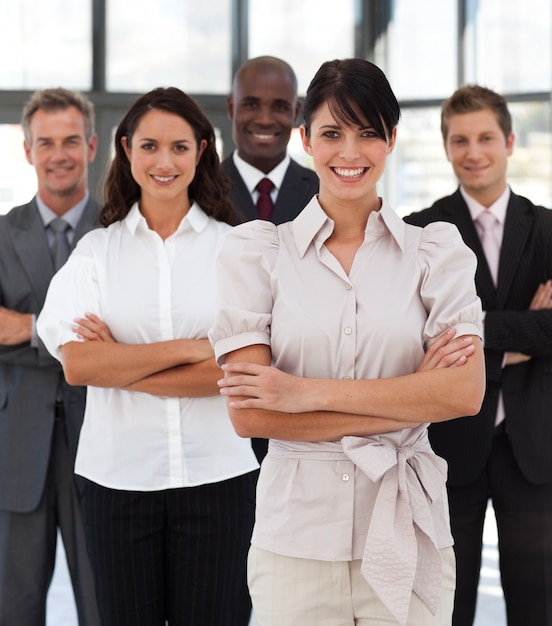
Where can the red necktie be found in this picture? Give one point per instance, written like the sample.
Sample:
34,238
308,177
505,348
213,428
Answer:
264,201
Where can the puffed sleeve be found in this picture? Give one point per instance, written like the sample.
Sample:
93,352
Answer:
448,282
244,292
73,291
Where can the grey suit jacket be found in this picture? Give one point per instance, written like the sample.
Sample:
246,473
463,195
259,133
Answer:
29,376
525,262
300,184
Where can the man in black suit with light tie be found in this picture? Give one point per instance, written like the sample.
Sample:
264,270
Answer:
40,415
264,107
504,453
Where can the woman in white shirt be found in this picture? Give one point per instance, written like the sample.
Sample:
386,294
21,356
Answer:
352,518
168,493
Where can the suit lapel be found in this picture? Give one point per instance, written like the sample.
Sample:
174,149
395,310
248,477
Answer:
517,228
461,216
31,246
241,198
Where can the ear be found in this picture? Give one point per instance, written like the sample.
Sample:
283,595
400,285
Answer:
305,139
28,154
92,148
392,141
510,143
296,112
201,149
126,148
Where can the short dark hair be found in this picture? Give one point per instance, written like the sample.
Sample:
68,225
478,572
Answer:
472,98
357,91
57,99
210,186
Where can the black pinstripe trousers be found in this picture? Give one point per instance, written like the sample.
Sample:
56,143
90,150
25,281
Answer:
176,556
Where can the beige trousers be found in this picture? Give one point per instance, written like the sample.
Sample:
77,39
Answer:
288,591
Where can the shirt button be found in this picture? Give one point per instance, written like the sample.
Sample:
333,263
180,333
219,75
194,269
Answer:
348,287
348,331
346,377
345,477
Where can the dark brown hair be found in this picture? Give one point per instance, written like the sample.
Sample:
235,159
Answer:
210,186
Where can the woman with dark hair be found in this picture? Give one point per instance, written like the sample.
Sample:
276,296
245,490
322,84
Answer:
342,335
167,485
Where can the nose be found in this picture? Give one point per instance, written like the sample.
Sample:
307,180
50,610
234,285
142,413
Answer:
349,149
264,116
164,159
473,150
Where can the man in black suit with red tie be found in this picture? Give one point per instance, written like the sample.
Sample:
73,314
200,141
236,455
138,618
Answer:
263,107
504,453
266,182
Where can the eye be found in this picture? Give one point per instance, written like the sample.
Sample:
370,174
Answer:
181,147
282,107
148,146
330,134
370,134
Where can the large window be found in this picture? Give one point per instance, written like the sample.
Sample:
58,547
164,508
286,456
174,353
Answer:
115,50
45,44
178,43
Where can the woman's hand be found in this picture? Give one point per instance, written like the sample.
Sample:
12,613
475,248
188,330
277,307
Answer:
264,387
92,328
446,351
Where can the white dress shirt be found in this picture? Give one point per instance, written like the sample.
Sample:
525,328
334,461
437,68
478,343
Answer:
381,498
147,290
252,176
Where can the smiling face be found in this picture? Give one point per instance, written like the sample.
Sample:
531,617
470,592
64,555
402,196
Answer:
349,160
163,155
60,151
263,108
478,151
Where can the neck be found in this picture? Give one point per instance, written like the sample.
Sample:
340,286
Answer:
164,217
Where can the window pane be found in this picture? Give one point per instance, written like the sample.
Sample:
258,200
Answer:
530,166
181,43
422,54
46,44
509,44
419,172
17,177
305,34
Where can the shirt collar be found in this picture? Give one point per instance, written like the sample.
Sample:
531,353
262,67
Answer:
313,226
498,208
72,216
251,175
195,219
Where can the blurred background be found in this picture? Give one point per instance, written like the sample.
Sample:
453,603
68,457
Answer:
114,50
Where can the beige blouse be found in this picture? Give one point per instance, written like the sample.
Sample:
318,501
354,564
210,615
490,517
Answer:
380,498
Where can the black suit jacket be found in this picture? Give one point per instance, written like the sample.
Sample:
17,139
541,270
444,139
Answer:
29,376
525,262
298,187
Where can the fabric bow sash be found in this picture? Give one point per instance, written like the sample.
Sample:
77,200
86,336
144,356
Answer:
401,553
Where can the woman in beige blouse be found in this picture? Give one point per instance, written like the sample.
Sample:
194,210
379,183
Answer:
342,335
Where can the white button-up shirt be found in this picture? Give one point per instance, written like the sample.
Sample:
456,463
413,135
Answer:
380,498
147,290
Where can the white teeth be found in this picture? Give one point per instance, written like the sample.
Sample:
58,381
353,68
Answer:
259,136
347,173
164,179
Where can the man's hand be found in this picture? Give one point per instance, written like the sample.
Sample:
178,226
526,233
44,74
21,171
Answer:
541,300
15,327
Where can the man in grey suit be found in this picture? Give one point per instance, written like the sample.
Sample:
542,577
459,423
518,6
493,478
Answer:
502,454
264,107
40,415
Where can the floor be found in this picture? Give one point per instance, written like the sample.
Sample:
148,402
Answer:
490,610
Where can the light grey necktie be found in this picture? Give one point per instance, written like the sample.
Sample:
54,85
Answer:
60,249
487,221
